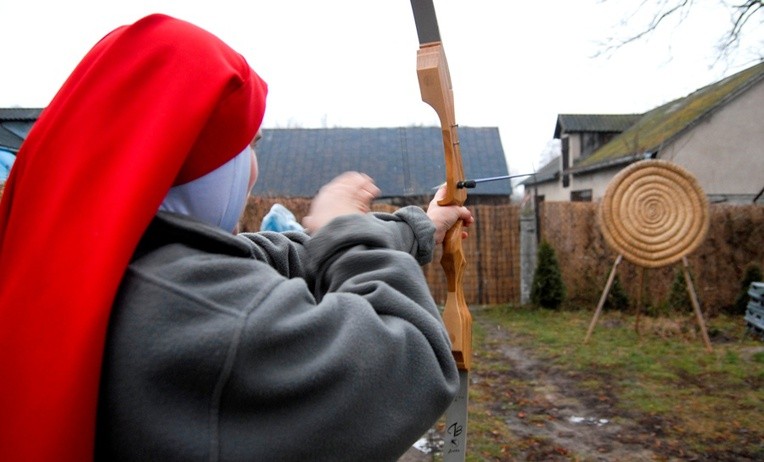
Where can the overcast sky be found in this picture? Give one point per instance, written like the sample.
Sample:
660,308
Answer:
352,63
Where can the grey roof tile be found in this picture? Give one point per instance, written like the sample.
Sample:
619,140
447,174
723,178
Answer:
404,161
608,123
15,124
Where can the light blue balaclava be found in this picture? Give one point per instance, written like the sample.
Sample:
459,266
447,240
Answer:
217,198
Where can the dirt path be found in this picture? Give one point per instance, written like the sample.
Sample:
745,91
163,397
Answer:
576,424
547,415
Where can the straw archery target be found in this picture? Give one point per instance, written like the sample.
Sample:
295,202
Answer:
654,213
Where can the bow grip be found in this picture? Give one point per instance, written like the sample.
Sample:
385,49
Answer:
456,316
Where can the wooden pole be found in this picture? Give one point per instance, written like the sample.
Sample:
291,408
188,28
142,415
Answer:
695,304
602,298
641,290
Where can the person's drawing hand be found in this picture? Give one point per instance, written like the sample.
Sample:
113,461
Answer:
349,193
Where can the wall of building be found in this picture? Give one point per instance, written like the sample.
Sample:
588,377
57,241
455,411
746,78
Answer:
725,152
596,181
552,191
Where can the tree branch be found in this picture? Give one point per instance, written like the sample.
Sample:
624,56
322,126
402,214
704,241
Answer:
728,45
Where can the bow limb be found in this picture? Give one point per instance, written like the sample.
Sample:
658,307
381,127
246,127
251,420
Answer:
435,87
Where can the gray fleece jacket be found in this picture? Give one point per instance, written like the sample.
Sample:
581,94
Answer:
275,347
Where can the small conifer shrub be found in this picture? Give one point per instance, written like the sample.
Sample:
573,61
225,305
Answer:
548,289
679,299
617,298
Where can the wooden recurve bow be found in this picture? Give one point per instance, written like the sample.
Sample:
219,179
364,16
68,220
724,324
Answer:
435,87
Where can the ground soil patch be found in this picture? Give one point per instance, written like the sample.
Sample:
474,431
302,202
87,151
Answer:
526,409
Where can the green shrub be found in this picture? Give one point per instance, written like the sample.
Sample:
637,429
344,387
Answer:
657,310
617,298
548,289
752,274
679,300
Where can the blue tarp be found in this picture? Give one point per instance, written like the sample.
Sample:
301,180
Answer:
6,162
280,219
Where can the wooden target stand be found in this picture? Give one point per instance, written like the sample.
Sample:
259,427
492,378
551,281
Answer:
654,214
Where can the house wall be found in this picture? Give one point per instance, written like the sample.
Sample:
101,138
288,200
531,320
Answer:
581,145
725,152
596,181
571,151
552,191
575,147
555,192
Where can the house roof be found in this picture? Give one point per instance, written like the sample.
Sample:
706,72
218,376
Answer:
296,162
607,123
404,161
663,124
15,124
549,172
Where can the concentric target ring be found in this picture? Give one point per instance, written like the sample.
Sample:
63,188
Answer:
654,213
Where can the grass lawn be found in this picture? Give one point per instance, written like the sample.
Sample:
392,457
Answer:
686,402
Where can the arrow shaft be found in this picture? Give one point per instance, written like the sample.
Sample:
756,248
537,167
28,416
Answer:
469,184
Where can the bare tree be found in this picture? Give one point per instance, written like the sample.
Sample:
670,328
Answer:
746,18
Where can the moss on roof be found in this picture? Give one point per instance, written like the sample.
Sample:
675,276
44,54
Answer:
663,123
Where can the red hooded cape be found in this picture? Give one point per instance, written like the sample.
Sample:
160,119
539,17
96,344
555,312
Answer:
153,104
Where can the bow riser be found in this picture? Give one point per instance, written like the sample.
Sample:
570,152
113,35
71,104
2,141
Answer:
435,87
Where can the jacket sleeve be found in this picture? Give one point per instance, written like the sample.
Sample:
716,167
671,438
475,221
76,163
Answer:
356,370
411,231
284,252
408,230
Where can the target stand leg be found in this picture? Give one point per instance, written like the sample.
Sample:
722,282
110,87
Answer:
641,284
603,298
695,304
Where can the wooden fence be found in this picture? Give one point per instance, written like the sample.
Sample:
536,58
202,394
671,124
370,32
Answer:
492,249
735,240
